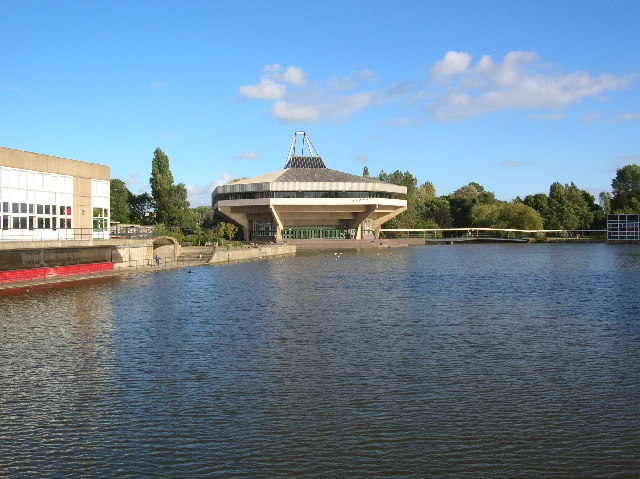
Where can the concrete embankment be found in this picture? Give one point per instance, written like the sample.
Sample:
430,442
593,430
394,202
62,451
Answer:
228,255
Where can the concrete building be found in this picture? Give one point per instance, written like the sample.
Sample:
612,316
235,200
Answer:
45,198
307,200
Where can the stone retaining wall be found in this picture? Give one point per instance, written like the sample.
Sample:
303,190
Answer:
224,255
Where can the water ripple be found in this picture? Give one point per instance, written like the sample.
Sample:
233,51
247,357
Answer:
466,361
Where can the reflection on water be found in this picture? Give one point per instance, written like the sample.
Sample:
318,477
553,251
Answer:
442,361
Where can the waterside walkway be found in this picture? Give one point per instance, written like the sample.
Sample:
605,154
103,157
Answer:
191,257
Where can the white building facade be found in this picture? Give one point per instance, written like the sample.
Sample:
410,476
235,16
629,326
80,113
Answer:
44,198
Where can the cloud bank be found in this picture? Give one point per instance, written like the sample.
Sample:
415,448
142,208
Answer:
456,89
519,82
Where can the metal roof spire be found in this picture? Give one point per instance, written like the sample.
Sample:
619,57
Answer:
311,160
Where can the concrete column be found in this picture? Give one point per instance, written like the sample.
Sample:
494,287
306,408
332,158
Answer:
238,218
279,227
378,222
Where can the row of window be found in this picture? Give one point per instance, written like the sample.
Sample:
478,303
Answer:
623,227
303,194
24,180
33,222
31,208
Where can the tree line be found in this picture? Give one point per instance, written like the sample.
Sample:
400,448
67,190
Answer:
565,207
167,207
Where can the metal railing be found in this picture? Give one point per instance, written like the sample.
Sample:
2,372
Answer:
61,234
493,233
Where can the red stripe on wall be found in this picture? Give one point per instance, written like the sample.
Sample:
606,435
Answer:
55,272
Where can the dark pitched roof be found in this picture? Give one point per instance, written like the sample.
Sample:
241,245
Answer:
321,175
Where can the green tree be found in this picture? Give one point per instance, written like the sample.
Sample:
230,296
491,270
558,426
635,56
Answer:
426,191
568,208
141,207
161,186
120,195
599,220
227,230
437,212
409,217
171,205
365,172
464,199
506,215
539,202
604,199
179,213
204,216
626,190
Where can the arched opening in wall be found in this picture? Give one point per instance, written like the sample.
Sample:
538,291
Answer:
166,248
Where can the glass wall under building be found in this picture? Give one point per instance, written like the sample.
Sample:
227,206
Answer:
262,229
623,227
318,232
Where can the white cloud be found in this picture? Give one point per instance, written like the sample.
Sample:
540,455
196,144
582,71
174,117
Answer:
334,100
288,112
248,155
549,116
157,85
459,89
293,76
265,90
624,117
630,116
310,109
201,195
362,158
349,82
271,85
451,64
519,82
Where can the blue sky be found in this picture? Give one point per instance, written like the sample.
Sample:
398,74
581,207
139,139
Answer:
513,95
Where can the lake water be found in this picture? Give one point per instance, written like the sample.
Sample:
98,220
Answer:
430,361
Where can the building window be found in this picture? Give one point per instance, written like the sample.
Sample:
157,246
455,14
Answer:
262,228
